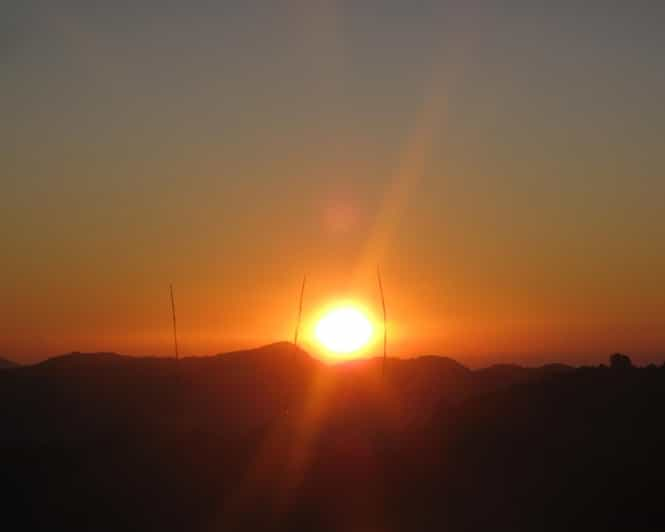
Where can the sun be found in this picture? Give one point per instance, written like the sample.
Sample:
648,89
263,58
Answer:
344,330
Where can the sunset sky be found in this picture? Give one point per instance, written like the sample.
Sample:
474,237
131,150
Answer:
504,165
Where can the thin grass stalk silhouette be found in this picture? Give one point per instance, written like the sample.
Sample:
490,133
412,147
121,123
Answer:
385,325
175,327
302,295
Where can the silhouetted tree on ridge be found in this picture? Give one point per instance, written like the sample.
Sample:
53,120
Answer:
619,361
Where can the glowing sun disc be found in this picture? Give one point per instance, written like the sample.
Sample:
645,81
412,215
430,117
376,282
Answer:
344,330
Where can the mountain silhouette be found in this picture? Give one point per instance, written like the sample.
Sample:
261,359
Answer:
273,439
4,363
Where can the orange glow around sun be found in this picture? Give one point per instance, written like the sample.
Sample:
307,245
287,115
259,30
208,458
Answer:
344,331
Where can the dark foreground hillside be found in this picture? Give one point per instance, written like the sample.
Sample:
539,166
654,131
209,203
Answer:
270,439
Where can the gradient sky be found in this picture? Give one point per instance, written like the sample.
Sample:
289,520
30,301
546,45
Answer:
504,165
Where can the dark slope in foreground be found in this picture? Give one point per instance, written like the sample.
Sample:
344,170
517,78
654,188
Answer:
271,439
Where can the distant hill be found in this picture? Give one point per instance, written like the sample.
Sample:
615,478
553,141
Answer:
81,362
283,368
500,375
102,391
4,363
284,353
280,352
247,388
273,355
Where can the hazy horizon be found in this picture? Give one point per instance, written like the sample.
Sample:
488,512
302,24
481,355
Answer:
504,166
